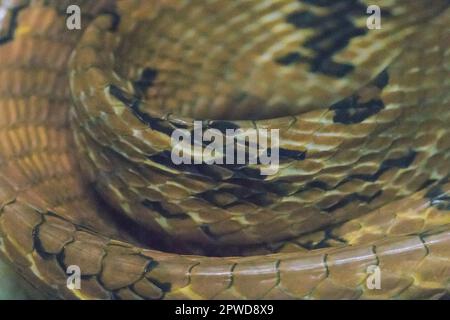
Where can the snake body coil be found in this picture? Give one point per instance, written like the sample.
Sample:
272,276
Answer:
86,176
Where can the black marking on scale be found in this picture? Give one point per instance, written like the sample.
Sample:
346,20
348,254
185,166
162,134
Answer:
14,14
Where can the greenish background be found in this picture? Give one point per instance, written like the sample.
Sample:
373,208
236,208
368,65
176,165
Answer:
12,285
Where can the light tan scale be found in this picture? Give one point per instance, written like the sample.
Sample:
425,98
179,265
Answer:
85,178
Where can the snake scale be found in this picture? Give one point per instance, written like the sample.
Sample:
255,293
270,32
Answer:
86,177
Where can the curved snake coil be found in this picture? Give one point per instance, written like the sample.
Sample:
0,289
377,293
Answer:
86,177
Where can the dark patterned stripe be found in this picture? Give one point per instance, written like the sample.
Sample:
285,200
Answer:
13,16
167,127
351,198
333,32
157,206
145,81
438,198
350,111
388,164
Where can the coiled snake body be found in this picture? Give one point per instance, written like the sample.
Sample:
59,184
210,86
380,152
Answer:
86,177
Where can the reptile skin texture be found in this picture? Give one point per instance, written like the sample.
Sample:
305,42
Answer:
86,177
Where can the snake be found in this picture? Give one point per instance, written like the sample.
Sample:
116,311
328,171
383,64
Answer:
87,180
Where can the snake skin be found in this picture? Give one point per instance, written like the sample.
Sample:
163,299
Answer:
86,177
